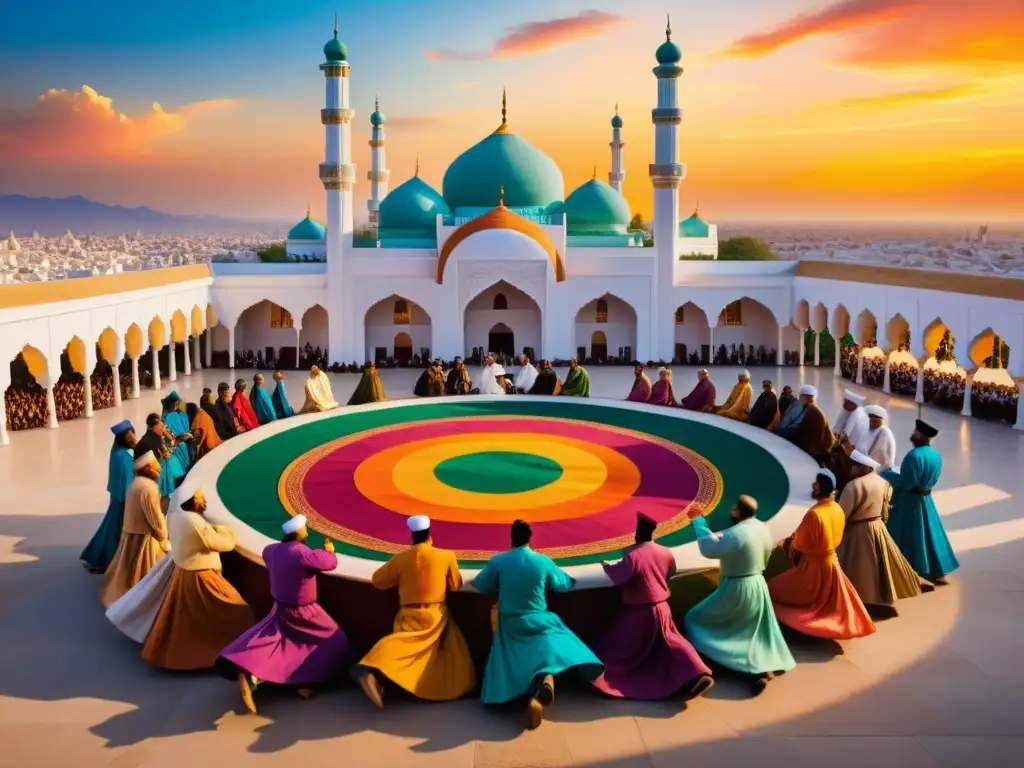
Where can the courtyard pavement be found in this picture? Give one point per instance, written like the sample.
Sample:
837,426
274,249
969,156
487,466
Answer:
941,685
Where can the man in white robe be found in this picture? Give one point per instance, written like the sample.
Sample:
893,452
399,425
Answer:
488,384
526,376
881,443
853,421
319,396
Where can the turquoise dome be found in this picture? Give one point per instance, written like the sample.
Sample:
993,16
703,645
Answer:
616,122
502,160
411,208
335,51
596,207
668,53
694,226
307,229
377,119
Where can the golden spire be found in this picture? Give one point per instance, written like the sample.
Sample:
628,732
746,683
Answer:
696,208
504,114
501,196
417,164
592,178
309,210
335,26
668,27
616,109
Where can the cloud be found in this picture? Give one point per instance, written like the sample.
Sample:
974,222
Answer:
905,33
536,36
435,120
849,128
888,101
85,125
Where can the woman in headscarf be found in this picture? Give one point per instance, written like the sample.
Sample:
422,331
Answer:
176,425
369,389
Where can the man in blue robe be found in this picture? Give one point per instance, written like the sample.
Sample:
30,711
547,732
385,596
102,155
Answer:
282,407
100,550
262,405
914,523
531,644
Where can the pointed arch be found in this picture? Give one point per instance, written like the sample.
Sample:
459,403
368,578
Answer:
76,355
500,301
197,321
802,314
615,319
522,318
937,340
179,327
819,318
134,341
840,322
692,335
897,333
988,350
866,329
109,344
36,364
391,317
157,333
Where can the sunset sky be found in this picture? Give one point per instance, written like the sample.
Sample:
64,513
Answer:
795,109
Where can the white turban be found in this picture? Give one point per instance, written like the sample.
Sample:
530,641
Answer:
853,397
418,523
745,375
863,458
808,390
145,460
877,411
294,524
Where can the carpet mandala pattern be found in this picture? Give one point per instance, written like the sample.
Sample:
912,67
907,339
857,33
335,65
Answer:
577,472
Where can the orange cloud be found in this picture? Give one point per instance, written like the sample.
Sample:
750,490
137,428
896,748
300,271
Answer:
536,36
907,98
85,125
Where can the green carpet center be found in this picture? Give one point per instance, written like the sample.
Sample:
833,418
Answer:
498,472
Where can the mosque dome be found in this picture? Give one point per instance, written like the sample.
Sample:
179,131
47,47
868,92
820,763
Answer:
335,51
668,53
694,226
616,121
412,206
596,207
377,118
307,229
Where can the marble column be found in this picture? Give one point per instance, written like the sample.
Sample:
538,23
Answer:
711,345
1020,405
298,349
51,406
780,353
198,354
919,395
136,394
231,347
803,347
172,364
837,370
4,438
966,410
209,348
817,348
87,412
886,383
859,376
156,368
186,353
117,386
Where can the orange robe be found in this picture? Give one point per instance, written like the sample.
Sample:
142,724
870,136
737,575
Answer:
815,597
204,429
737,406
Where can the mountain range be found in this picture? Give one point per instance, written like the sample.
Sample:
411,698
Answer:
53,216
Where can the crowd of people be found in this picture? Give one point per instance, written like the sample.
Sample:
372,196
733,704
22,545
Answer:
872,537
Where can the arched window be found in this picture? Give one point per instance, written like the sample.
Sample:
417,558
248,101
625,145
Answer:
280,317
601,316
732,314
679,316
500,302
401,316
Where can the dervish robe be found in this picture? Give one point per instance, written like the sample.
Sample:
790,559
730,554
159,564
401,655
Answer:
135,611
143,540
205,431
914,522
426,653
319,396
662,393
547,383
422,386
644,655
735,625
815,597
223,416
641,391
701,398
243,411
813,434
790,421
765,412
882,447
262,406
177,424
577,382
101,548
525,378
489,380
282,407
369,389
297,643
737,404
201,612
529,640
856,426
868,555
458,382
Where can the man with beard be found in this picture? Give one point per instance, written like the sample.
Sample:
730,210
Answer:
641,391
262,405
458,382
204,425
765,411
737,405
227,423
547,382
812,432
526,376
489,375
914,523
881,444
701,397
786,399
853,421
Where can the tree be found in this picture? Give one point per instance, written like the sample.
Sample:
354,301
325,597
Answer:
745,249
636,223
273,253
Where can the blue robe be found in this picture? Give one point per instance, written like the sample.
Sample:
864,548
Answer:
281,404
174,468
529,640
101,549
735,625
914,522
262,405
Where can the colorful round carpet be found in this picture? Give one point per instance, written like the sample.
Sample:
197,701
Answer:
577,471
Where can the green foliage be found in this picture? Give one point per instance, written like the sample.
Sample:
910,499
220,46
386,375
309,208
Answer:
1000,357
273,253
745,249
636,223
826,350
696,257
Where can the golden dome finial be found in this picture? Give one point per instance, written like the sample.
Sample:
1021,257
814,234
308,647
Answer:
309,210
594,177
504,114
668,27
501,196
616,109
417,164
696,208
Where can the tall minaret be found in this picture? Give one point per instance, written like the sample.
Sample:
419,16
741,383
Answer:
378,173
667,174
337,173
618,172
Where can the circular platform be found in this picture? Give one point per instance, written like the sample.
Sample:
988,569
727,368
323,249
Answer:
577,470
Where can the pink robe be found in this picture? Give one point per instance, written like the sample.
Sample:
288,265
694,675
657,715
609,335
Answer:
641,389
662,393
702,396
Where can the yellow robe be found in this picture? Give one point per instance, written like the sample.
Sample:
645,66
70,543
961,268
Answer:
737,406
426,654
143,540
319,396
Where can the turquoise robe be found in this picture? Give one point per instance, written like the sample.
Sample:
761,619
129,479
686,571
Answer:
101,549
281,404
262,405
529,640
175,468
736,625
914,522
577,382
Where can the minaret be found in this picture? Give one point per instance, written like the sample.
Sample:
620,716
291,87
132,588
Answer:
378,173
617,174
666,174
337,173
